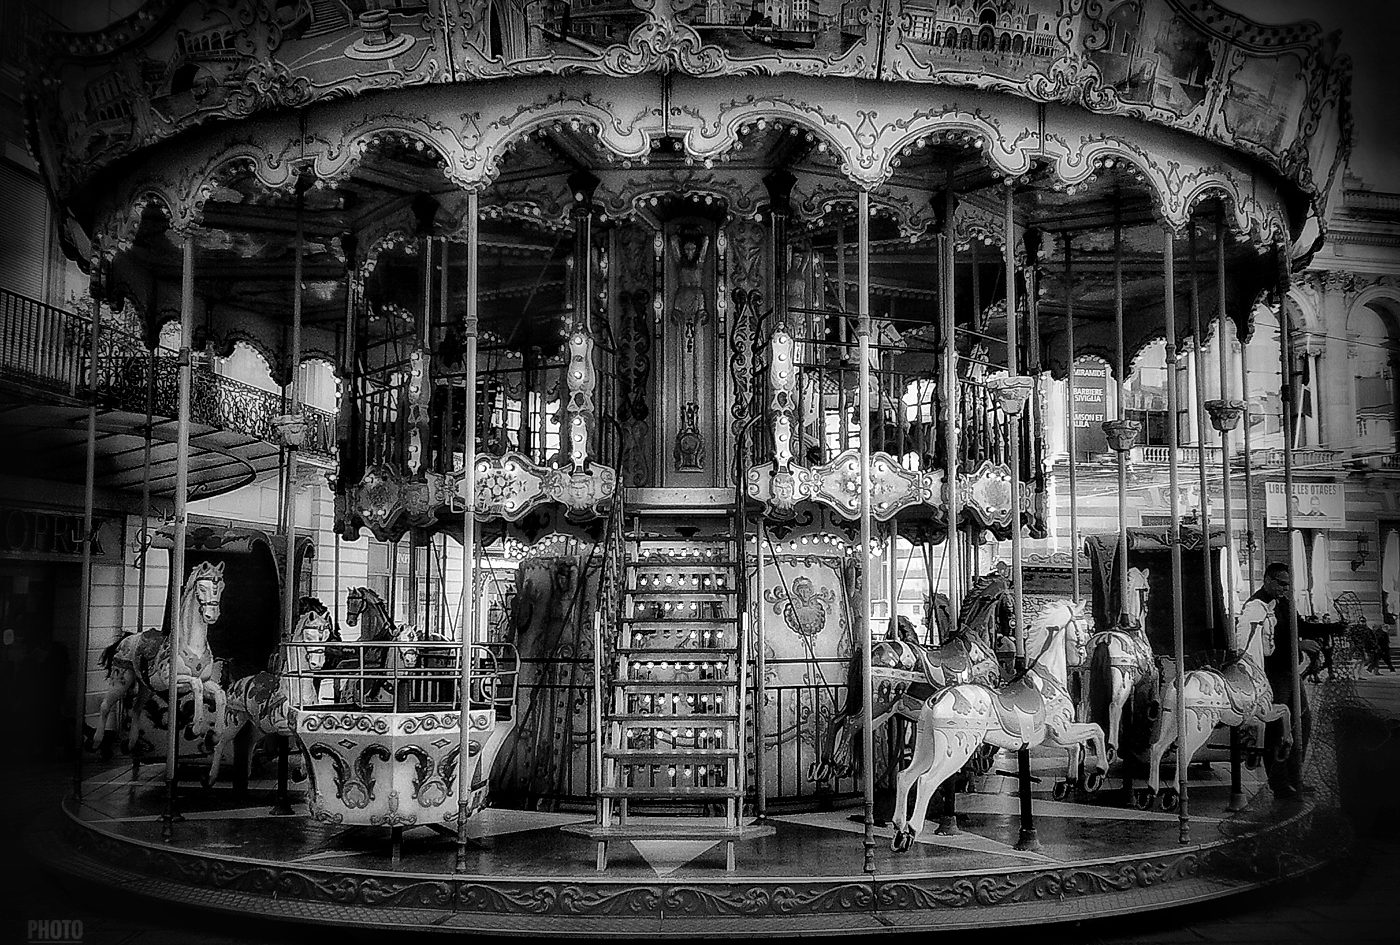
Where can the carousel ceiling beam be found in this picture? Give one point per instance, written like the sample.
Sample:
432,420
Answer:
262,219
386,179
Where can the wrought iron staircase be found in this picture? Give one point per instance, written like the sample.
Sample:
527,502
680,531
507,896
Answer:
673,736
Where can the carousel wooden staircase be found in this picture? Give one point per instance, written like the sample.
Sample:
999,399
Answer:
672,751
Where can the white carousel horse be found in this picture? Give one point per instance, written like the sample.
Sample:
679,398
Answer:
1238,694
1120,660
905,673
143,662
1032,709
270,701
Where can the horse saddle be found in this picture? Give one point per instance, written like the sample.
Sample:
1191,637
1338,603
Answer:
1018,704
1240,686
951,659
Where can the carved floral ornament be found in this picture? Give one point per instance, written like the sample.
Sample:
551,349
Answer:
867,144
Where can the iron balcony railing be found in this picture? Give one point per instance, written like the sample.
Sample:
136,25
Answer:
46,349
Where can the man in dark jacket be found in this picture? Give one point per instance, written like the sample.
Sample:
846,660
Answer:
1285,776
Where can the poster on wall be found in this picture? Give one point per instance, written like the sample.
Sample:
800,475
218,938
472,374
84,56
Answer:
1090,407
1315,505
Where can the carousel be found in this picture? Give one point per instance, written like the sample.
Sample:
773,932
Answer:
665,326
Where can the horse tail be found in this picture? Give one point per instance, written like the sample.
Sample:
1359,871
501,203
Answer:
1099,684
109,654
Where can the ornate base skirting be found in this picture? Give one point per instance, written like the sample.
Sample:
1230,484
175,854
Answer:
1245,856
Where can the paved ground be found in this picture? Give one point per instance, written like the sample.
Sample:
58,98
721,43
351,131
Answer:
1351,902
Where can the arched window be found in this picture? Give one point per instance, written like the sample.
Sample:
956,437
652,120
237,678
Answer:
1373,355
1004,44
966,38
950,39
1018,45
986,39
988,17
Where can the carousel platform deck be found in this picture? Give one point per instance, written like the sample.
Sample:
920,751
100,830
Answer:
532,872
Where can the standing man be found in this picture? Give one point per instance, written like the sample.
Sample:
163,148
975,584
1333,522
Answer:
1285,776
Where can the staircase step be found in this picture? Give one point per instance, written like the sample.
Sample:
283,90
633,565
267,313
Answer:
652,625
676,829
670,654
699,793
674,563
705,686
655,720
719,594
642,756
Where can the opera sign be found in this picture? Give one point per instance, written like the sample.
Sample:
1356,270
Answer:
1315,505
45,533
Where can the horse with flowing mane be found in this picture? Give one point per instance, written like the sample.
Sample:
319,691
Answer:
270,700
907,672
143,661
367,610
1034,708
1235,695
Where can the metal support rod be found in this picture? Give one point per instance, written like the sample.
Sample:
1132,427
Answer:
146,493
947,293
182,488
1073,432
866,538
1290,394
1198,359
293,394
1248,463
1028,839
89,487
1222,342
1178,630
469,331
760,674
1120,368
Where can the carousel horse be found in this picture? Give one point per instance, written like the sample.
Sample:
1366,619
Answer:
1120,660
1236,695
270,700
367,610
143,662
905,673
1033,709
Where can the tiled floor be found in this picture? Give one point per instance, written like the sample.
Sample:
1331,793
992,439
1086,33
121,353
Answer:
1347,902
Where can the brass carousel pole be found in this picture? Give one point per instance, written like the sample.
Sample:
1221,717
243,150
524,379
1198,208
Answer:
1178,630
89,486
1073,432
1290,394
1248,463
1028,840
950,396
760,674
1198,361
1224,416
469,329
177,552
866,538
146,491
289,475
948,822
1126,432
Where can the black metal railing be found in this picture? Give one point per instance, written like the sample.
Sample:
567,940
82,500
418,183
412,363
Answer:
46,348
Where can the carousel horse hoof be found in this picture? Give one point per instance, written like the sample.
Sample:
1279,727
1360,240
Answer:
1112,754
1252,759
903,840
1060,791
1154,711
1091,782
1170,799
1143,798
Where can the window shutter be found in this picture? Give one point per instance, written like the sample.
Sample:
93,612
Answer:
24,240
